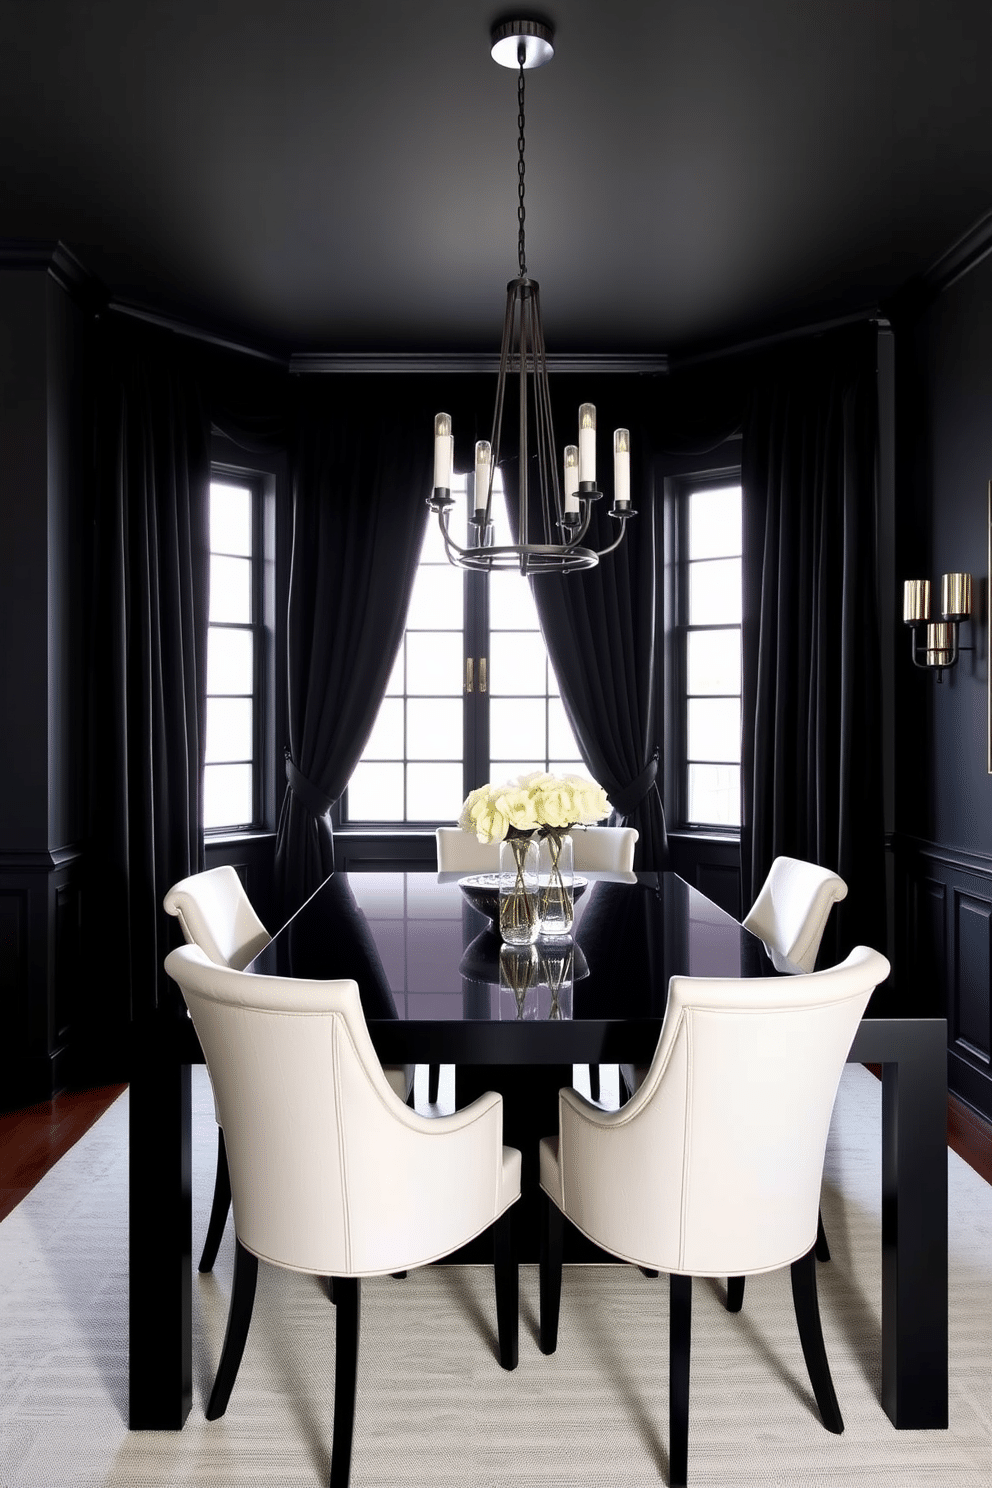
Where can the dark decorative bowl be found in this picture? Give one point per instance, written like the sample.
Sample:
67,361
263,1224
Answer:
482,892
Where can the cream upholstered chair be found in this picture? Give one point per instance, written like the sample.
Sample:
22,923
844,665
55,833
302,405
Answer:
215,913
331,1173
604,848
608,848
790,915
713,1167
791,911
459,851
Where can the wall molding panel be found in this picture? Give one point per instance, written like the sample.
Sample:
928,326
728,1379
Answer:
40,972
944,966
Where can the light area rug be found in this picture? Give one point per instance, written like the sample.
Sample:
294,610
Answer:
434,1408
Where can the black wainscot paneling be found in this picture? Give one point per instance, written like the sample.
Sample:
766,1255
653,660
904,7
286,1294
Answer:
945,956
41,975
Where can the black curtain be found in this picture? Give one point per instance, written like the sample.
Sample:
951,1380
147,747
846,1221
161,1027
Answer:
361,470
812,755
147,654
604,627
602,632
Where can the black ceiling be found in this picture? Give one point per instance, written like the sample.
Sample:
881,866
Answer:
327,177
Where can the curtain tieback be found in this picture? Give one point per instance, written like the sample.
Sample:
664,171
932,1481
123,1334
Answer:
626,800
313,799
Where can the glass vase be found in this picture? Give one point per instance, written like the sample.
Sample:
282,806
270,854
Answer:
556,877
518,886
518,973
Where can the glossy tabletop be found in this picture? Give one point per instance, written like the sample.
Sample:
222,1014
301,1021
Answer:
438,985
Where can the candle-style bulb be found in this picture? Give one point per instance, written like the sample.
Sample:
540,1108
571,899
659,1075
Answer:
587,443
571,484
443,451
621,466
483,471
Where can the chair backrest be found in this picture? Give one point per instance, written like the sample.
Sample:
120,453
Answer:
714,1166
330,1172
215,913
459,851
790,913
604,848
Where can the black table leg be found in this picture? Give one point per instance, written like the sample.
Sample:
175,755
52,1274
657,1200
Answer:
160,1286
913,1053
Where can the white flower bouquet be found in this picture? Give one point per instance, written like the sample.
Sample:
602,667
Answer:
547,804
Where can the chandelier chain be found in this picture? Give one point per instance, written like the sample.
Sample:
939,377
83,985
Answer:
521,212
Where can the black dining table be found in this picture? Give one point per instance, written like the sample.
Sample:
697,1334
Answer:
437,986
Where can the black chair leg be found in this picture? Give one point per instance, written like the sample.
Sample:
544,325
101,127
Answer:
594,1081
238,1319
811,1338
219,1207
433,1083
552,1239
347,1291
822,1248
506,1276
735,1293
679,1338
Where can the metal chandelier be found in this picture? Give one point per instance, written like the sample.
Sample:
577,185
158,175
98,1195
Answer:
552,529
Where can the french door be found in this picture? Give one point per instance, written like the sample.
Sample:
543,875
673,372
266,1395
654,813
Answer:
472,696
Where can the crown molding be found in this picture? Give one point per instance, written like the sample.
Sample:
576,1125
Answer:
307,363
53,257
870,314
961,257
965,254
136,311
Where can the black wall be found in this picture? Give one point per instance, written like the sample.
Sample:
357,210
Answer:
943,839
44,465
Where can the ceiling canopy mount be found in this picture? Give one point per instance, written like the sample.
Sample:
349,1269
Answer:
536,38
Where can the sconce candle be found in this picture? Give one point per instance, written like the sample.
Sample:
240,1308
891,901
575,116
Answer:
940,644
955,596
916,601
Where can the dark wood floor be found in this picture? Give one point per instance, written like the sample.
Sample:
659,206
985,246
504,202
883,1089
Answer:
33,1140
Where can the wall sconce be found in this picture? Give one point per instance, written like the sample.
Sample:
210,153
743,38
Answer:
941,648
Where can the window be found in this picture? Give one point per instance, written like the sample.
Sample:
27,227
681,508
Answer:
710,604
231,785
472,696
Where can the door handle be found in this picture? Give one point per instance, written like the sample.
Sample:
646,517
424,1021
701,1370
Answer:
483,664
469,674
